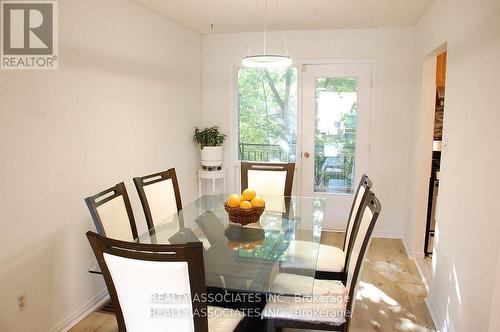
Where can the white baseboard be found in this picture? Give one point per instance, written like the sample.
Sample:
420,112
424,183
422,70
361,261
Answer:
426,277
428,303
388,235
412,253
407,247
380,234
83,312
391,235
417,254
434,315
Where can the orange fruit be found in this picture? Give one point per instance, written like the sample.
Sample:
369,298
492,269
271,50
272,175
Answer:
257,202
245,205
248,194
233,245
249,246
234,200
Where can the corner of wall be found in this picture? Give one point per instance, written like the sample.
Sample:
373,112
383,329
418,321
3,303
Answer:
83,312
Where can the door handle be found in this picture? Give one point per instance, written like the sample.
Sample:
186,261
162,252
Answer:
307,154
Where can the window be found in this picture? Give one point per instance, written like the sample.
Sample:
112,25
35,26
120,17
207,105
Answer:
267,114
335,140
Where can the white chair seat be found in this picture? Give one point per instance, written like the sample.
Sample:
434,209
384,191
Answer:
223,319
327,305
288,283
302,255
330,259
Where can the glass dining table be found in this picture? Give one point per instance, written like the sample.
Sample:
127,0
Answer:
247,259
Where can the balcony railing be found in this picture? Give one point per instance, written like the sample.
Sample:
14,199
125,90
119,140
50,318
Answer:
331,174
265,152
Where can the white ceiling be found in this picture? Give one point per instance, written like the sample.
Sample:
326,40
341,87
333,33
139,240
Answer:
238,15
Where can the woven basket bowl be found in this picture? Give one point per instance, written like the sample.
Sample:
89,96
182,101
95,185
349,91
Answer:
244,216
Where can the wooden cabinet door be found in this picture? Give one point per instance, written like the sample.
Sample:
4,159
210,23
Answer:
441,70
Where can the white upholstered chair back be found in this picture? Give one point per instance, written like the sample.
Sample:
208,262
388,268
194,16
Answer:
362,235
273,181
153,296
160,196
153,287
270,185
112,213
361,193
114,219
161,200
267,182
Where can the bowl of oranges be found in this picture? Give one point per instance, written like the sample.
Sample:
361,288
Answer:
245,208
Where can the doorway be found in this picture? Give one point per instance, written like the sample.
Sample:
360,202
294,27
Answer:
433,195
335,136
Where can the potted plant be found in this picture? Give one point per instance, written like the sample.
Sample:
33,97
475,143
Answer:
210,140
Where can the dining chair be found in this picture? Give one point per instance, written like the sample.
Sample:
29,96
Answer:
329,261
160,196
112,213
328,308
268,178
272,181
159,287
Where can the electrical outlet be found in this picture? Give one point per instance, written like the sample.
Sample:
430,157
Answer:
21,302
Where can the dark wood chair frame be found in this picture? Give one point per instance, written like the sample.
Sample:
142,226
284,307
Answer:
93,202
279,167
276,324
143,181
367,184
192,253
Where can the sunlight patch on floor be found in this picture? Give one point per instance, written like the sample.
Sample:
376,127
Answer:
407,325
372,293
394,271
415,289
368,292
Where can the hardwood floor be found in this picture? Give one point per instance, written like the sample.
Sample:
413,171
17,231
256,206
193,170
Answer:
97,321
390,296
391,292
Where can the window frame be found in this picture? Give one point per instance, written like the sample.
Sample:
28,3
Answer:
354,182
235,123
233,162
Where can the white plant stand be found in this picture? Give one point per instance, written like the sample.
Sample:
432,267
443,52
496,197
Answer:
211,175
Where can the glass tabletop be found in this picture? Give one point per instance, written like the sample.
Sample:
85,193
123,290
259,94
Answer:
250,258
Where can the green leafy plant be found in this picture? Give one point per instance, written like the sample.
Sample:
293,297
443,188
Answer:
210,136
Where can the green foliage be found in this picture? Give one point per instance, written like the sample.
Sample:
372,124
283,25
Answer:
338,84
210,136
344,142
267,105
319,161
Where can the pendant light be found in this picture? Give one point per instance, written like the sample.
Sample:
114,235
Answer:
265,60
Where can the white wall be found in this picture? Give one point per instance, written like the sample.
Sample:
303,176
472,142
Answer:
123,103
391,50
495,303
466,247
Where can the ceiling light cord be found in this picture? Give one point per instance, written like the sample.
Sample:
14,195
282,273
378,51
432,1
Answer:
265,25
283,24
250,27
265,60
281,21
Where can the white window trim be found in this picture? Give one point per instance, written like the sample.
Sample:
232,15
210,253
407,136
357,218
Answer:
233,139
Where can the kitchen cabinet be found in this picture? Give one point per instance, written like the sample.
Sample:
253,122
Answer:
441,69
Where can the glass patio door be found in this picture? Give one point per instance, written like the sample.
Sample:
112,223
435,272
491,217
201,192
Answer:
335,134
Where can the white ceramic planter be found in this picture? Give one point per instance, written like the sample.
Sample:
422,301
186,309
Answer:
211,156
